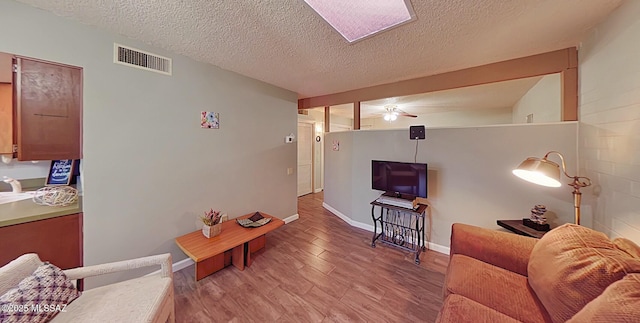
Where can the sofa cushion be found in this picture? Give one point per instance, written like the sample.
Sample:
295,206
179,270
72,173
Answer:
571,265
495,287
12,273
627,246
489,246
620,302
457,308
38,297
135,300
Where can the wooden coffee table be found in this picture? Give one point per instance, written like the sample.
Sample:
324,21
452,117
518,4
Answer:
234,245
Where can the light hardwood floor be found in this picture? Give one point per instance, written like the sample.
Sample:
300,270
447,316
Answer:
317,269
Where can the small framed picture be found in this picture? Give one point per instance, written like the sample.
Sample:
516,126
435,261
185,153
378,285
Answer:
209,120
61,172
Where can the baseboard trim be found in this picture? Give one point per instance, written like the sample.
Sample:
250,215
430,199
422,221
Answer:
290,219
368,227
182,264
345,218
438,248
318,190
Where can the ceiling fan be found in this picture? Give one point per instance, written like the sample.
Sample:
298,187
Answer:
392,113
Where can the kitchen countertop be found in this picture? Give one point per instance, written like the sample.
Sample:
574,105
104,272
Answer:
24,211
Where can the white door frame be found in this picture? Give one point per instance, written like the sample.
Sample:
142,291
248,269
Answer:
321,150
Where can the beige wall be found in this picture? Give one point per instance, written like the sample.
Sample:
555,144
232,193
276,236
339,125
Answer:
542,100
339,123
25,169
470,178
149,169
610,121
470,117
316,114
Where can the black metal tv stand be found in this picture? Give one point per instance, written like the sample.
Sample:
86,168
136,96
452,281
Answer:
400,227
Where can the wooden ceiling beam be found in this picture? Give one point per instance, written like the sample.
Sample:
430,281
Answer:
563,61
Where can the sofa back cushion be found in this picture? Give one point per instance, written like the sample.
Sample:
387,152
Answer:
12,273
572,265
627,246
620,302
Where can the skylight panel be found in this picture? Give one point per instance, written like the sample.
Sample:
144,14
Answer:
358,19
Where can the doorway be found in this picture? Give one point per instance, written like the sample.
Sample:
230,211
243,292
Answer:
305,158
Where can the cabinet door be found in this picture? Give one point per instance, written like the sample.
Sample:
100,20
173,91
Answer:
48,99
6,103
6,68
57,240
6,118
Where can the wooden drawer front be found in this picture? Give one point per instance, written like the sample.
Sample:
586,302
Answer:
57,240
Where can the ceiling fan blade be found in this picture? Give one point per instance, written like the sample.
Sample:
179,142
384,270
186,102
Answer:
404,114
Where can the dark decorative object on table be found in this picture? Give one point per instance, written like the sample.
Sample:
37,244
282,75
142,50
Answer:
537,221
256,216
256,220
536,226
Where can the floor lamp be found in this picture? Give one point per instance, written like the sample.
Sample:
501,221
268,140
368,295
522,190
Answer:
547,173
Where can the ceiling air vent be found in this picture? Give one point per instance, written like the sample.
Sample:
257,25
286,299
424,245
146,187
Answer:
140,59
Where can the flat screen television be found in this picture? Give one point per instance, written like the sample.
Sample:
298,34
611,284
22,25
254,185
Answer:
399,179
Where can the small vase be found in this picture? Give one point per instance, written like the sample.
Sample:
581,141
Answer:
211,231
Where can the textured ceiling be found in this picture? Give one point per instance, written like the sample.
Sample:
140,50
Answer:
284,43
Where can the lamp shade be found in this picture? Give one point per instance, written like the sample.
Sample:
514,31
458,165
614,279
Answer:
539,171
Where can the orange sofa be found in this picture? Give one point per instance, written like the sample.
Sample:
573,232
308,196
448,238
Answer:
571,274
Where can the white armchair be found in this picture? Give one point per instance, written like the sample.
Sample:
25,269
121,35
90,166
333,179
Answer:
144,299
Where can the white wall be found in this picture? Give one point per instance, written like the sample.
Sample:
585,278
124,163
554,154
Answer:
471,117
469,172
609,90
542,100
338,170
318,115
339,123
25,169
149,170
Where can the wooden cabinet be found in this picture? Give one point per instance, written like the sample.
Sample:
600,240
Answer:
6,118
6,68
46,108
57,240
6,104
